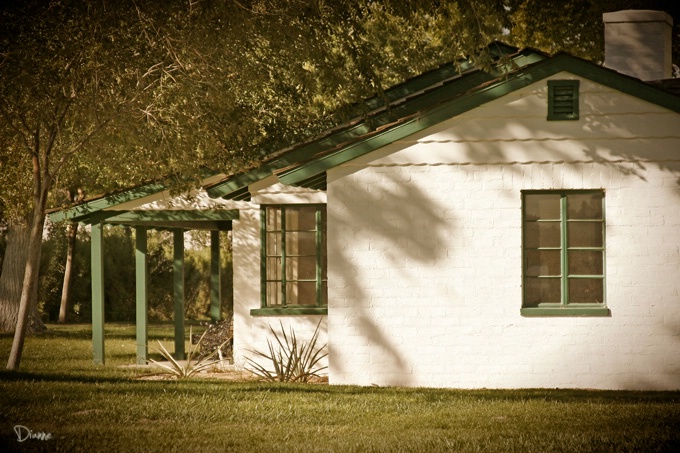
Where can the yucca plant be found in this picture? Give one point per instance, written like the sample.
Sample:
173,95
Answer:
181,371
291,360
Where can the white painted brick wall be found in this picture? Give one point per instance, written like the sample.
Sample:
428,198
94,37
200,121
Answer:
424,246
425,260
252,332
434,299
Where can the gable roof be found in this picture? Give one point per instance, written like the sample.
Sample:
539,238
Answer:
422,102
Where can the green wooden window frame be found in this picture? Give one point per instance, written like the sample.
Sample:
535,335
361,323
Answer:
293,260
563,100
563,253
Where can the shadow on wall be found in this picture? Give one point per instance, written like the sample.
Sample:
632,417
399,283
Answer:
376,220
373,227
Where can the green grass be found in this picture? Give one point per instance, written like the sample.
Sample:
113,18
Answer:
94,408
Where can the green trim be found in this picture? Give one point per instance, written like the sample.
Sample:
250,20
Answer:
564,248
425,91
141,295
178,291
319,216
215,280
263,258
563,100
290,311
173,215
316,182
97,278
79,212
610,78
318,239
197,225
211,219
465,100
566,311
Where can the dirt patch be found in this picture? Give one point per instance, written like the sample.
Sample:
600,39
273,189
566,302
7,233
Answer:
223,372
233,376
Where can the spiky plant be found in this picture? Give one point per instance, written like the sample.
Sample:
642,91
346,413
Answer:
181,371
291,360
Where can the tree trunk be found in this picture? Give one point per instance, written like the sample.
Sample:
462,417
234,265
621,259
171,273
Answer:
12,275
30,284
11,278
66,289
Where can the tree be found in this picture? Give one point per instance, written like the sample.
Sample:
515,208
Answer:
72,235
98,67
575,26
127,91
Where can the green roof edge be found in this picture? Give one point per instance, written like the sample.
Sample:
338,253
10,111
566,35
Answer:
344,136
79,212
504,85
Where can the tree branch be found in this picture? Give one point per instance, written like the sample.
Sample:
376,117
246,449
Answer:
74,149
20,133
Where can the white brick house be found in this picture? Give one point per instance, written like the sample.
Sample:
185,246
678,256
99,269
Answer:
514,229
504,231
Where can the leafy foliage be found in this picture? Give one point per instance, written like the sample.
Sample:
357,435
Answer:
119,277
291,360
575,26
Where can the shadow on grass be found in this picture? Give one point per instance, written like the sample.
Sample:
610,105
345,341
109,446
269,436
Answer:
118,331
128,383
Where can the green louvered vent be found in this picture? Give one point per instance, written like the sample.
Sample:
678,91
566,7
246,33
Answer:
563,100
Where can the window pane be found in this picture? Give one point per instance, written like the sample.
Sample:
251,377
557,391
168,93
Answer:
586,291
585,262
584,234
542,290
542,263
274,244
584,206
273,218
303,243
274,296
542,206
301,293
300,243
274,268
301,218
543,234
301,268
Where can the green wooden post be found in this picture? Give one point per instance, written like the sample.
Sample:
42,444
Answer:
178,276
215,295
141,286
97,277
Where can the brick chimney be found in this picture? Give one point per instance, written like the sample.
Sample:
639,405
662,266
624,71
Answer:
638,43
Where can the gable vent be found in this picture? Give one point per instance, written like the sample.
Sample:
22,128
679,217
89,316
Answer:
563,100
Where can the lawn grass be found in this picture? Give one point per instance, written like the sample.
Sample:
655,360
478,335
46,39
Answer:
105,408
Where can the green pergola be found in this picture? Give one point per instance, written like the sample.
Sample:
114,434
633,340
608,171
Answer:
123,209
